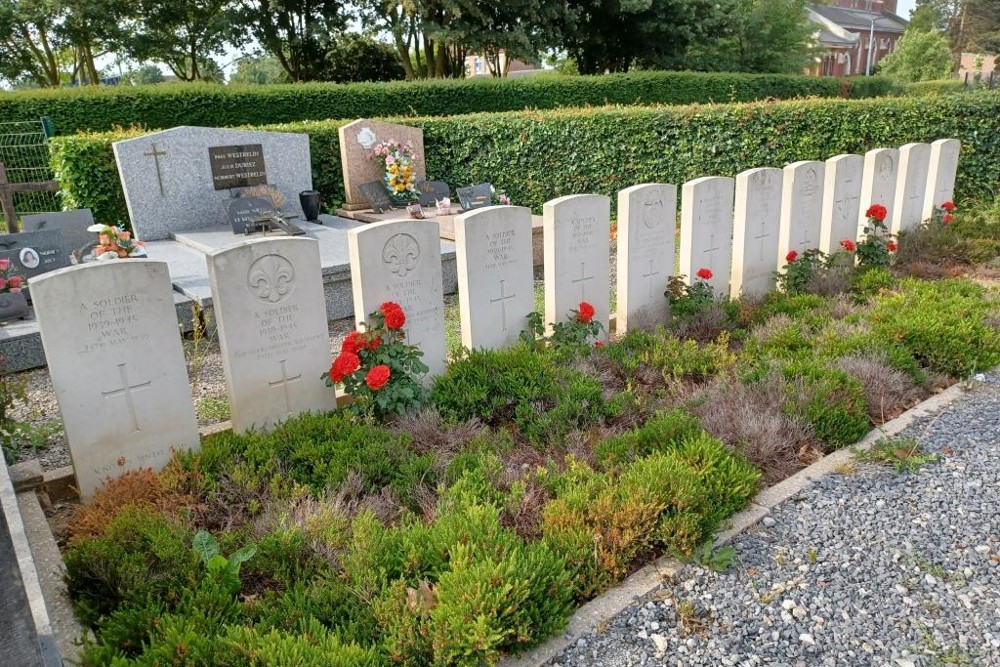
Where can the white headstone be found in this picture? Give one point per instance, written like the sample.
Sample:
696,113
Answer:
179,180
647,221
941,174
707,229
911,186
577,240
878,185
493,248
400,261
755,231
801,208
114,353
271,313
841,201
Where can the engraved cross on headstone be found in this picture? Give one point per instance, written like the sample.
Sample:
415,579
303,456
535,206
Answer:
649,276
155,153
582,280
283,383
127,390
502,300
762,237
712,247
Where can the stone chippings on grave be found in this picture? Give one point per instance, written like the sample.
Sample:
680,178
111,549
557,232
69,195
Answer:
647,220
577,240
707,229
911,186
841,201
878,184
756,218
356,141
170,178
400,261
117,366
495,275
941,174
801,208
271,315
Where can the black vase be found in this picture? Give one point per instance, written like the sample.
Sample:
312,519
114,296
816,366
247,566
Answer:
309,199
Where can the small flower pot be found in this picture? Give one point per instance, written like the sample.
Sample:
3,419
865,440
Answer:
309,199
13,306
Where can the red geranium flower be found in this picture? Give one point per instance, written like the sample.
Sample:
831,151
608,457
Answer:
948,206
393,314
876,211
946,218
377,377
598,343
353,342
584,313
704,274
848,245
791,256
891,246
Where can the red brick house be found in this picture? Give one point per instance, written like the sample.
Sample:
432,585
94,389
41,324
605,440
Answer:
850,32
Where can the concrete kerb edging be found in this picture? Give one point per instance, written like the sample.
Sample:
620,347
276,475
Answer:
604,607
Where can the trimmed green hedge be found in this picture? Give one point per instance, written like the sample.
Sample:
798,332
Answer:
162,106
536,156
939,87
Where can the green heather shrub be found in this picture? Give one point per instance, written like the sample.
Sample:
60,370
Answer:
663,432
680,359
943,324
833,344
831,400
542,397
801,307
865,285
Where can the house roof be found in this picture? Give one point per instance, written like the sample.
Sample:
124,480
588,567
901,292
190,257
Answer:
827,38
858,19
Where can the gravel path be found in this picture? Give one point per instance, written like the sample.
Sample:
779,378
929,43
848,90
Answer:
870,568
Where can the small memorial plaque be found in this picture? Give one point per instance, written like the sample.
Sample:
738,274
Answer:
475,196
237,166
375,194
244,210
32,253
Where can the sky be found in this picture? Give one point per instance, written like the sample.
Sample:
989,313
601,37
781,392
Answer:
904,7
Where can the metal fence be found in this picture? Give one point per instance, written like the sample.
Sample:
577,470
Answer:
24,153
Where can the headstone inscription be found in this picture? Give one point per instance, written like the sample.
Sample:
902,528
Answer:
110,335
941,174
647,220
431,192
77,241
356,142
243,212
707,229
756,218
475,196
911,186
493,248
34,253
577,246
173,183
376,196
801,208
841,201
878,185
271,312
400,261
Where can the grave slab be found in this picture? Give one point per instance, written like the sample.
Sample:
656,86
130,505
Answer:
941,174
878,184
577,241
911,186
647,220
114,353
495,275
356,142
841,201
399,260
270,310
707,229
76,240
176,180
756,218
801,208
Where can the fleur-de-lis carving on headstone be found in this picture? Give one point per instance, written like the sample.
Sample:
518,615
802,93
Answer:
271,278
401,253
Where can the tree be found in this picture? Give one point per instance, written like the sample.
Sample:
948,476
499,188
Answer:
183,34
259,70
86,25
355,57
296,32
29,43
919,56
982,21
145,75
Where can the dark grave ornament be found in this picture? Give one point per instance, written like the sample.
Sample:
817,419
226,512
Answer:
432,191
475,196
375,194
244,210
310,202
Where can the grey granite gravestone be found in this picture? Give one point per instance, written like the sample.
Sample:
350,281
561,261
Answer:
475,196
178,180
77,241
33,253
375,194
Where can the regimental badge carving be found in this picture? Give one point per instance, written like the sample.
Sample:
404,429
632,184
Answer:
401,253
366,137
810,183
652,213
885,168
271,278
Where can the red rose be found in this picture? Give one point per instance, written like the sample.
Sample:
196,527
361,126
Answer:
335,373
848,245
345,364
598,343
374,343
948,206
393,314
891,246
704,274
377,377
15,281
946,218
791,256
876,211
584,313
353,342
